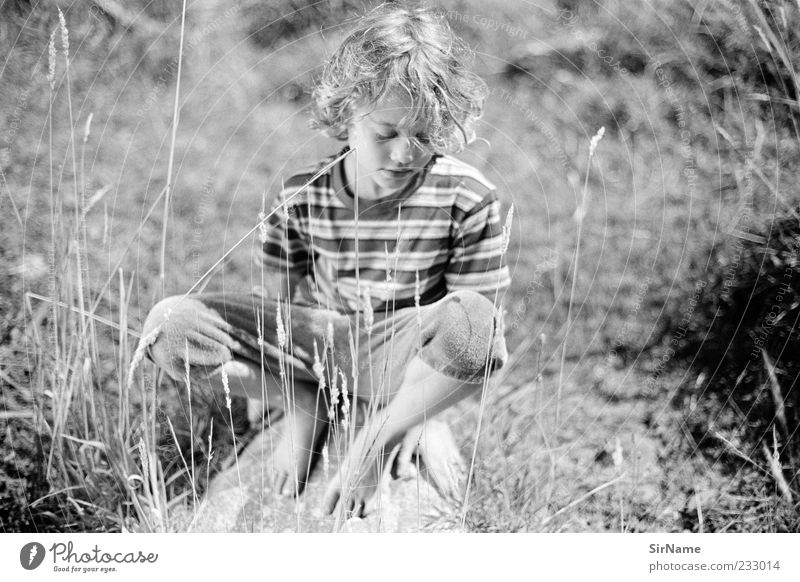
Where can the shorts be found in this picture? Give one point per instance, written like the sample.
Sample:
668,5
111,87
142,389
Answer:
459,335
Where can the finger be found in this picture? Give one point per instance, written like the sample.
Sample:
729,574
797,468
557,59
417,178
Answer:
330,500
287,486
404,466
347,505
355,508
407,447
278,483
441,479
455,477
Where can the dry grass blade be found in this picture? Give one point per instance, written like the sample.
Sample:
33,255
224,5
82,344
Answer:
9,414
786,205
777,396
261,221
97,197
505,242
189,472
175,118
10,197
83,313
776,469
583,498
580,213
733,449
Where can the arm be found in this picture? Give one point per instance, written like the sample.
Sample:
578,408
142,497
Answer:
285,254
477,260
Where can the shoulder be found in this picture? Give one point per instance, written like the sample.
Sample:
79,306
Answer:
468,187
314,180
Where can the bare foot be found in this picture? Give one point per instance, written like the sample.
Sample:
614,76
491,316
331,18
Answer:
435,444
357,480
292,455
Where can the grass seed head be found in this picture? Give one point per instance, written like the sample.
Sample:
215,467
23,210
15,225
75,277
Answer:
51,61
280,328
87,129
334,387
317,367
226,387
345,403
262,227
388,263
64,33
596,140
329,335
369,314
326,461
507,229
141,350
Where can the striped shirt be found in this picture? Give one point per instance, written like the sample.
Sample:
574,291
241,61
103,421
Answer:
440,234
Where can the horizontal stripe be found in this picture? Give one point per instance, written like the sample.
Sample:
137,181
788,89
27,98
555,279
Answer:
479,281
447,234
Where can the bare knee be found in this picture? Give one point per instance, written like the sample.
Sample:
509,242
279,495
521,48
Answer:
466,339
187,334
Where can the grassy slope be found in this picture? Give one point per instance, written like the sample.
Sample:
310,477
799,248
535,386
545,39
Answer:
241,130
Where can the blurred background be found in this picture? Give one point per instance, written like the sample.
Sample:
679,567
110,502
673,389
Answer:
676,396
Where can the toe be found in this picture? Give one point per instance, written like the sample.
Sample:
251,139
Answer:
330,499
280,482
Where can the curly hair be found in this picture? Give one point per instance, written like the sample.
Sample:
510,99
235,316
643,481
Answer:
410,49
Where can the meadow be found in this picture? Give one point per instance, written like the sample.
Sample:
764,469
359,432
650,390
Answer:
645,272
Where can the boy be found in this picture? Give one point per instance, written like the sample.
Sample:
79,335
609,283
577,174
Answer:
391,250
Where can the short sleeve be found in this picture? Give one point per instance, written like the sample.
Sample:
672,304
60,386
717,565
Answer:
477,262
284,246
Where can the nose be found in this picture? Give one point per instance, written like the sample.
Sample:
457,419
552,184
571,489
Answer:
402,151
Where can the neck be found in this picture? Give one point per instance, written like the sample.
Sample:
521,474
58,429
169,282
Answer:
362,188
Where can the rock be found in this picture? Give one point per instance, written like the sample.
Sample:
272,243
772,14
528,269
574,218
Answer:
240,499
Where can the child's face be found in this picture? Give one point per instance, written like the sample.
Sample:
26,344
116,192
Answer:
388,158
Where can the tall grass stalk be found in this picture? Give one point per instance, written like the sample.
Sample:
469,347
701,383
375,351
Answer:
506,241
76,193
68,364
227,390
191,427
175,119
54,254
580,213
354,349
189,472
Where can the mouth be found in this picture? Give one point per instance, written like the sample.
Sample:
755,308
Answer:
398,173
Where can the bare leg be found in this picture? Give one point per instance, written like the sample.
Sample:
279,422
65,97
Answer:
423,394
304,423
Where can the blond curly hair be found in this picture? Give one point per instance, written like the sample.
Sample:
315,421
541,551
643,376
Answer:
410,49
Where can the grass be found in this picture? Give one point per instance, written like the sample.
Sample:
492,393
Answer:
620,436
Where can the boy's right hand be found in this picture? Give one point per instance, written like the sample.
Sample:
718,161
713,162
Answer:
437,447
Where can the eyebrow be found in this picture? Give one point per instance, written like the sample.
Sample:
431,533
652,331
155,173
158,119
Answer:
391,126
